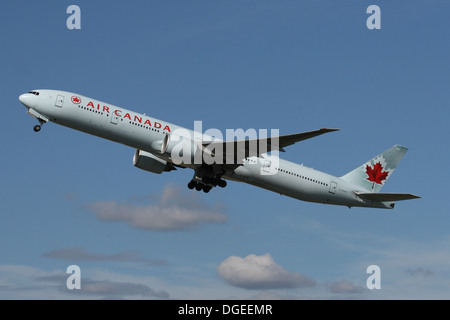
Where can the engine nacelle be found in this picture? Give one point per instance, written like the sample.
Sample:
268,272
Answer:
148,162
181,149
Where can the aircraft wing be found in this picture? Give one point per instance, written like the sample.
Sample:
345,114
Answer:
234,152
382,197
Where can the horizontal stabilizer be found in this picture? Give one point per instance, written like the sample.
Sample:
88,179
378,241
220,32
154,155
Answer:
382,197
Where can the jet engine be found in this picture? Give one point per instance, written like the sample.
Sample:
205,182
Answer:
181,150
148,162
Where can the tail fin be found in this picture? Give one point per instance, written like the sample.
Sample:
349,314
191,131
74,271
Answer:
373,174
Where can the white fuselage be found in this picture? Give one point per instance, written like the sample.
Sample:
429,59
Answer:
143,132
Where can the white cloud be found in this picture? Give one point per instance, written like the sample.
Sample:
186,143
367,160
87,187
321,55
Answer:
174,210
80,254
25,282
419,272
260,272
115,289
345,286
271,295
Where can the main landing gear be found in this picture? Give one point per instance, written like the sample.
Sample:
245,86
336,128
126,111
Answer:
207,177
206,184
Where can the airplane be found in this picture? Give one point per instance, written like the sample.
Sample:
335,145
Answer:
160,145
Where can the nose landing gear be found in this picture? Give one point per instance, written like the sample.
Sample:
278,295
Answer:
38,127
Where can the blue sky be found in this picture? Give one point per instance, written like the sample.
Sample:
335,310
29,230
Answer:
288,65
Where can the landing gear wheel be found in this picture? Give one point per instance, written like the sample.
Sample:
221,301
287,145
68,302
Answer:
199,186
206,189
192,184
222,183
37,128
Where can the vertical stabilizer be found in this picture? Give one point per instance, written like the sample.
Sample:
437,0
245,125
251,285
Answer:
373,174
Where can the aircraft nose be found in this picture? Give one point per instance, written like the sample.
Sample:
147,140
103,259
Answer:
26,99
22,98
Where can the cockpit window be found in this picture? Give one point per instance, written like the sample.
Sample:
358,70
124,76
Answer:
36,93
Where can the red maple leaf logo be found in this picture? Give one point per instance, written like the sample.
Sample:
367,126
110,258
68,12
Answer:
376,174
76,100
